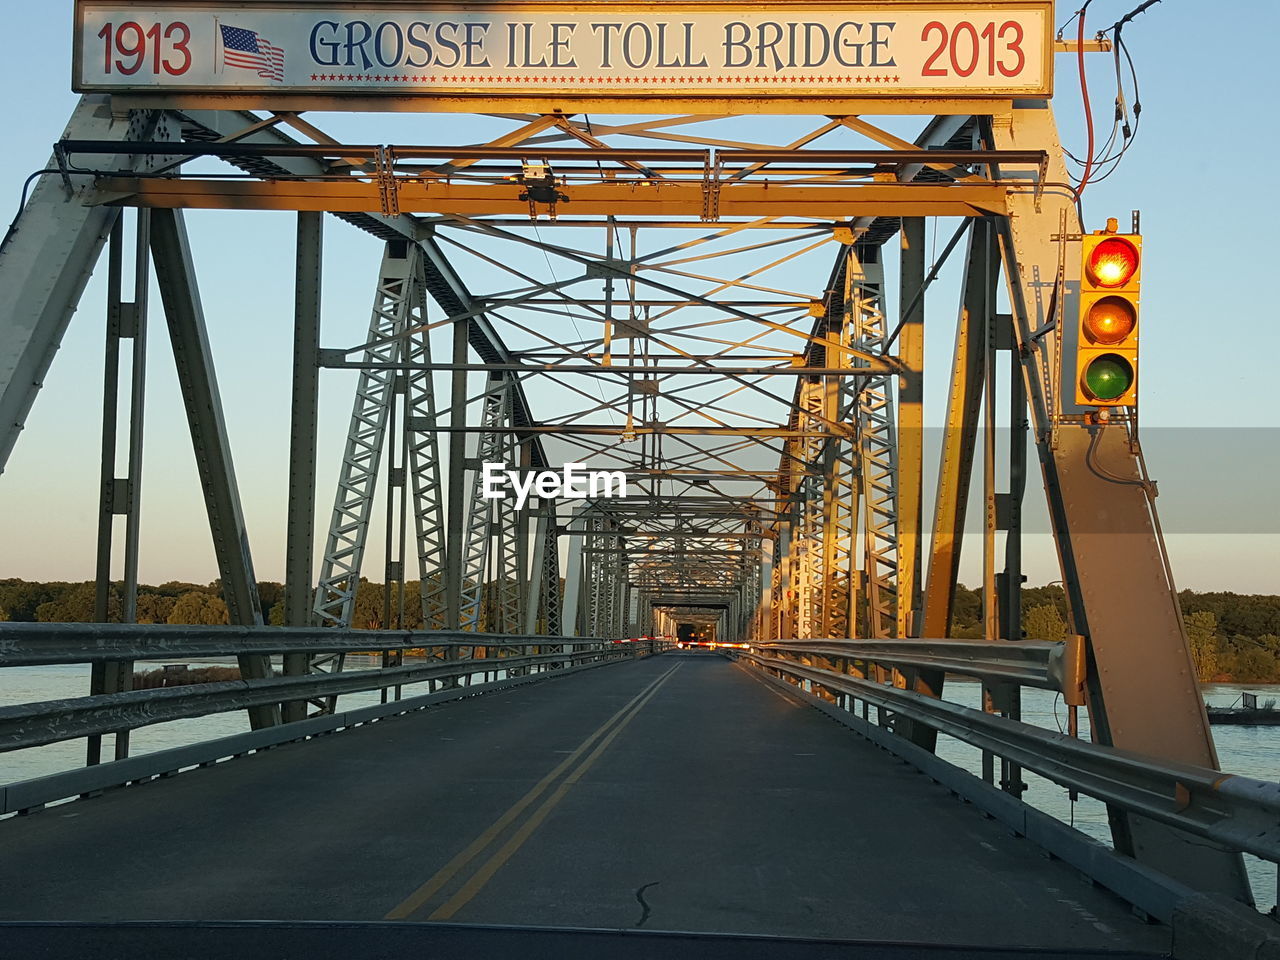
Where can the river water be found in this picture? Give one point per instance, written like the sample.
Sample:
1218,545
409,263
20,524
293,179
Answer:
1248,751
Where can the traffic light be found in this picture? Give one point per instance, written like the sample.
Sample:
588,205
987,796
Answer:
1107,348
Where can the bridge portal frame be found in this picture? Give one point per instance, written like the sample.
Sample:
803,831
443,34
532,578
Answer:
1023,195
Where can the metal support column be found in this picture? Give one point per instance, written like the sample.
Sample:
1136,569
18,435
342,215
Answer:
126,320
574,573
303,428
456,519
911,430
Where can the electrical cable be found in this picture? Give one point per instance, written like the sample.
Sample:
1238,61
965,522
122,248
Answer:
1088,108
1099,164
1140,8
1129,134
1090,459
22,203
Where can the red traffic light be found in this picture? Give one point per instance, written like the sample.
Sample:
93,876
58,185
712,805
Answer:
1112,263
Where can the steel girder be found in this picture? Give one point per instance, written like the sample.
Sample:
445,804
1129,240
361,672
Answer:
304,426
48,255
656,198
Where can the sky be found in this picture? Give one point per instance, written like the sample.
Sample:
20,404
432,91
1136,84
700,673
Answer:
1210,402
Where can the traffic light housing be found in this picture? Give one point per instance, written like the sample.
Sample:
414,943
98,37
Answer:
1107,343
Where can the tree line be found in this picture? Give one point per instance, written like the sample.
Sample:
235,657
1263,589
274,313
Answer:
177,602
1234,637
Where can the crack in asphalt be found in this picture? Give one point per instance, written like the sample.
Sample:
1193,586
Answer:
640,899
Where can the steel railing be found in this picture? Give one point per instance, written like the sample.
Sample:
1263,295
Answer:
37,724
1240,813
1049,665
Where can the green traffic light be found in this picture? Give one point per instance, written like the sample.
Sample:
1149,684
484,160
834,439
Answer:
1108,377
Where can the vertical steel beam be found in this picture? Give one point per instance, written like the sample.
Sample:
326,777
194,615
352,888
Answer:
484,548
574,573
511,579
457,476
763,623
396,503
992,627
911,425
808,547
780,614
193,355
1012,577
522,523
550,563
121,496
784,596
1009,582
304,418
534,606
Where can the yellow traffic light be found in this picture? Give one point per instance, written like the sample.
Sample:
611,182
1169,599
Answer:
1107,345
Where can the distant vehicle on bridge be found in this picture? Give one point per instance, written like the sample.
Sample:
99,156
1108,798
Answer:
693,635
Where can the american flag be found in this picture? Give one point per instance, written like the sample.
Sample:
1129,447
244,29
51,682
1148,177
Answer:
244,48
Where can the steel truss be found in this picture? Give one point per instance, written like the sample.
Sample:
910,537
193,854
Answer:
716,327
494,582
877,456
397,331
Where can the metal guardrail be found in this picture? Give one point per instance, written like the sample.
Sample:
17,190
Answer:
37,724
1240,813
32,644
28,795
1034,663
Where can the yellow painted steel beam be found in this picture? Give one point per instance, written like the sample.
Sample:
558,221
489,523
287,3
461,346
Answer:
595,199
953,478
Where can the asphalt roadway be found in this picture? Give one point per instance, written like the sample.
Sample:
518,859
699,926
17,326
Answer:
676,793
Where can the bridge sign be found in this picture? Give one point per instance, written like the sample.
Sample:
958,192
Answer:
897,49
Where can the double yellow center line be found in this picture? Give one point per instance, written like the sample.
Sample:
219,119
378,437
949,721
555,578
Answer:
606,733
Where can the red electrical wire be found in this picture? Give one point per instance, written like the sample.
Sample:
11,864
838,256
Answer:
1088,110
